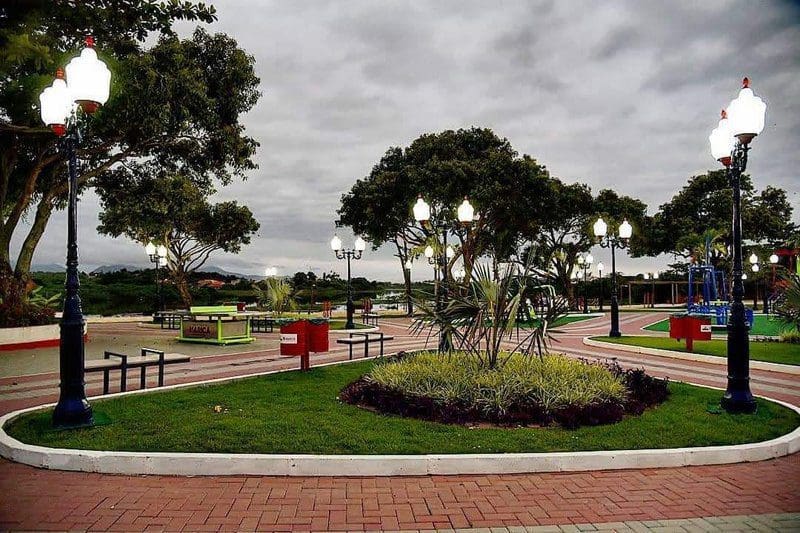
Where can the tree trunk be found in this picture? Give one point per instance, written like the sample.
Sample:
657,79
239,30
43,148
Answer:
43,212
183,288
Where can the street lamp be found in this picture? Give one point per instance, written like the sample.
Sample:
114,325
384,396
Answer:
85,86
409,303
654,277
730,143
585,263
427,217
773,263
158,256
352,253
613,241
600,268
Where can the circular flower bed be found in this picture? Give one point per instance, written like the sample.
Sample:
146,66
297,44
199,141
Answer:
522,390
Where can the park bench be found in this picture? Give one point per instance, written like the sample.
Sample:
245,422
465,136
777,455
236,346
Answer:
122,362
370,318
169,319
366,339
263,324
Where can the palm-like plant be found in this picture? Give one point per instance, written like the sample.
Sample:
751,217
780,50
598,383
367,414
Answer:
788,306
482,318
278,295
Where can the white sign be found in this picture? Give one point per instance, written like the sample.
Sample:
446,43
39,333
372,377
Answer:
705,328
288,338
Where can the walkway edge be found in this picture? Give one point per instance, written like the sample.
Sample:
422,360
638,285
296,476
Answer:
216,464
711,359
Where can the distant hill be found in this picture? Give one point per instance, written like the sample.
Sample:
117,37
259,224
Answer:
47,267
105,269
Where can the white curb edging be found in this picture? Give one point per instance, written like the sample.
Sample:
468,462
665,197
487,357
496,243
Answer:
712,359
210,464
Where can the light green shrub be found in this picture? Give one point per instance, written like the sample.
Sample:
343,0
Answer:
553,381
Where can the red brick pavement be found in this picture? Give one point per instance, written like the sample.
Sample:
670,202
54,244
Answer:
31,498
43,499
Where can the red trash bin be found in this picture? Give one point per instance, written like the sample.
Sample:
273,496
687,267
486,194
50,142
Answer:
294,338
318,336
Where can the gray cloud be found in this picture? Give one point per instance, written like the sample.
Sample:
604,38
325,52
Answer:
618,94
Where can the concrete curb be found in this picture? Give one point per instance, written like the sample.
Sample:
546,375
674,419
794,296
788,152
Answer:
211,464
702,358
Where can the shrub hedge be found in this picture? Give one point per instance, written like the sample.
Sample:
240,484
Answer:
524,390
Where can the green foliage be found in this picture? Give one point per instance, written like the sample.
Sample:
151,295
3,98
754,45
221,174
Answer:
704,205
553,381
788,307
174,108
23,305
480,317
297,412
278,295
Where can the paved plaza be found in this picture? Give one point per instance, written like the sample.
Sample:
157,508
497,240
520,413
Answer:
762,496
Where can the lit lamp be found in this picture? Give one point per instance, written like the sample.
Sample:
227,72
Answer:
157,256
620,240
730,142
85,84
423,214
352,253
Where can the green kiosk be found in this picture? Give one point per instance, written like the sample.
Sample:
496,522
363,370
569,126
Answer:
217,324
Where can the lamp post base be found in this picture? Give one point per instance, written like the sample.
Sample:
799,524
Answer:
739,401
73,413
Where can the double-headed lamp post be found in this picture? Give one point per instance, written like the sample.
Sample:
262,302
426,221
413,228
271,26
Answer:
613,241
80,91
157,256
422,214
585,262
350,253
730,143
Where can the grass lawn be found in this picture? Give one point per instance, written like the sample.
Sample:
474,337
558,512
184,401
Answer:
763,325
771,352
299,412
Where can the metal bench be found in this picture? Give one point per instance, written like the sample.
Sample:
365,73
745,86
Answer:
169,320
123,362
366,339
262,324
370,318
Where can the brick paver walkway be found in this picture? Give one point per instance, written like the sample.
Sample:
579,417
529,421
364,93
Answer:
612,500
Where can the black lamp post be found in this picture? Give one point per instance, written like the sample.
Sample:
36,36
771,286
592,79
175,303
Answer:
613,241
600,268
585,262
730,143
84,90
158,256
349,253
409,303
422,214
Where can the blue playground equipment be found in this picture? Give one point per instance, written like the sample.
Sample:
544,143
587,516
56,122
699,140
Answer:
713,289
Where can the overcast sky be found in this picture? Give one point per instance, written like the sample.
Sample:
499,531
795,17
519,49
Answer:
614,94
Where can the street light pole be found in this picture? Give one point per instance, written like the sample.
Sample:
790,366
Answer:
613,241
351,253
730,144
600,268
157,256
86,87
422,214
409,304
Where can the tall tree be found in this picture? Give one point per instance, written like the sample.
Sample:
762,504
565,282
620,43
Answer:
704,204
173,108
176,213
444,167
